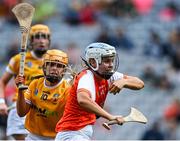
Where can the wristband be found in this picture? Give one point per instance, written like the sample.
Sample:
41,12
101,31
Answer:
2,101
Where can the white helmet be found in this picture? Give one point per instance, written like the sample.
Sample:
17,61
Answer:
99,50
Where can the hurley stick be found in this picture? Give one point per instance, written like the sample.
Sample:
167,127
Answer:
24,13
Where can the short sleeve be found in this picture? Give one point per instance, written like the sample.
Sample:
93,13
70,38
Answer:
30,92
13,66
86,83
116,76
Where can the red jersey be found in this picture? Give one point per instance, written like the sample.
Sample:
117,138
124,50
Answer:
75,117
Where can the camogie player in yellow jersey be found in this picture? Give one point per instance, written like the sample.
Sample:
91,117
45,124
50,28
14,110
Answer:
39,42
44,101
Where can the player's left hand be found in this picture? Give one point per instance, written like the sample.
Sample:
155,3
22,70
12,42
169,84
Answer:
19,80
116,86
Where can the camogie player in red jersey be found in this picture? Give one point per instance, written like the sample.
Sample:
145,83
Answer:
89,91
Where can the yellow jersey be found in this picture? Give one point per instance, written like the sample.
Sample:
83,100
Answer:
47,106
33,67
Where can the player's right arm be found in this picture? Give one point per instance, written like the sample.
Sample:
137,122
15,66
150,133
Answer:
89,105
22,106
3,82
86,96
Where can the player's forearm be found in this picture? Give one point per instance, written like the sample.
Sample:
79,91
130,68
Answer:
89,105
3,82
3,106
22,108
133,83
2,88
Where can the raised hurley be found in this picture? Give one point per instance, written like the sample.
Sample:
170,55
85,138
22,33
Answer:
24,13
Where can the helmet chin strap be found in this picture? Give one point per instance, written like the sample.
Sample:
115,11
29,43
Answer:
39,53
53,79
105,75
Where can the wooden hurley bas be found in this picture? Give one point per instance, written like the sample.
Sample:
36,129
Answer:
134,116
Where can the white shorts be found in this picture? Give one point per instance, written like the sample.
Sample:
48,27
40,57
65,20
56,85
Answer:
15,124
85,134
32,137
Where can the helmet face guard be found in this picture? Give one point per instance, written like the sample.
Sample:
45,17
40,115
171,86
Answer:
104,55
114,61
54,76
40,48
39,51
39,31
54,65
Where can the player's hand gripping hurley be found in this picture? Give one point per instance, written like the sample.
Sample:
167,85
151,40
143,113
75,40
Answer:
24,13
134,116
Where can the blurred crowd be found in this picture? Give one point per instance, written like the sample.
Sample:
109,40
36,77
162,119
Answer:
111,16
